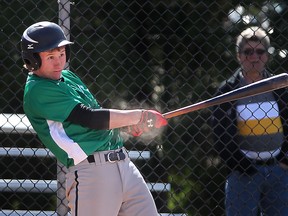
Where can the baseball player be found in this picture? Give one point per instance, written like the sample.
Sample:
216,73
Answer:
101,180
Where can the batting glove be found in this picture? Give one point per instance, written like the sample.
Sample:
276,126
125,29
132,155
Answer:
151,119
132,130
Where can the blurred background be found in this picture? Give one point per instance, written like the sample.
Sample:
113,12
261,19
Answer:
133,54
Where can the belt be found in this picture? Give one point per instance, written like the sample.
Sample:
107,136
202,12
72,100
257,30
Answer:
111,157
269,162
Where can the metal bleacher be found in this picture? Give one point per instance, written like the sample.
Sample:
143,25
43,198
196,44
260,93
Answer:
18,123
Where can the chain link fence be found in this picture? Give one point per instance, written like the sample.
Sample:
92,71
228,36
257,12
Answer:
152,54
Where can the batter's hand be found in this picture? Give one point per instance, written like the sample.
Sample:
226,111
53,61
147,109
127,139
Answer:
132,130
151,119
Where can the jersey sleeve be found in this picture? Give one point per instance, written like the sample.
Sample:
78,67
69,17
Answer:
50,101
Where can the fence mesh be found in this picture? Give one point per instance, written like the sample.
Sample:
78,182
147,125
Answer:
150,54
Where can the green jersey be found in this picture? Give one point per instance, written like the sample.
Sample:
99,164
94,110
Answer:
48,103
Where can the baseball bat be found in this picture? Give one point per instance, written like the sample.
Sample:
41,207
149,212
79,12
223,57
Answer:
259,87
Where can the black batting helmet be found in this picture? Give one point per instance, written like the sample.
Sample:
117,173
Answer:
39,37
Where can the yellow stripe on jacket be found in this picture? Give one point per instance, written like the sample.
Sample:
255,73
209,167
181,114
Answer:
260,127
258,119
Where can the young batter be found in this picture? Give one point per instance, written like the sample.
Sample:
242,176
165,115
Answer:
101,179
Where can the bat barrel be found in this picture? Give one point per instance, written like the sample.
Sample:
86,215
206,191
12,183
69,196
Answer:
259,87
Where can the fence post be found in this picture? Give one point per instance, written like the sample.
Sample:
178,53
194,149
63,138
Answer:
64,22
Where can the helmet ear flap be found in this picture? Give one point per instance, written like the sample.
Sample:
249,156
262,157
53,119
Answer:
32,61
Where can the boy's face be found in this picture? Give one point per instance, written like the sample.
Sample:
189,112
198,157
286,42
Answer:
253,57
52,63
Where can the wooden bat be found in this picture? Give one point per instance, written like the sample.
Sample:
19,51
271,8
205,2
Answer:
259,87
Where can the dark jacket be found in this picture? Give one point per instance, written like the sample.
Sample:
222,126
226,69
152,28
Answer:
225,127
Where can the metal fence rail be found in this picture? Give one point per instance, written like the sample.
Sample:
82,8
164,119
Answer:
50,186
51,213
42,152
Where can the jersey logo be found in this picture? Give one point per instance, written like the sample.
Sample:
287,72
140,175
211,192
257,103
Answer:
81,89
78,88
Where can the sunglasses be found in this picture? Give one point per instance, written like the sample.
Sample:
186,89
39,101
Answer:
249,52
